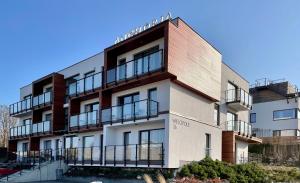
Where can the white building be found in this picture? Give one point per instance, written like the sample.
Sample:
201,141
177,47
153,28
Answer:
275,111
161,98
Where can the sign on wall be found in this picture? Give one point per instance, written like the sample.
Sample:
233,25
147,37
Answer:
143,28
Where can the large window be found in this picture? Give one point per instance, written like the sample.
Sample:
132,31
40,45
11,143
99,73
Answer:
253,118
207,144
71,142
285,114
152,136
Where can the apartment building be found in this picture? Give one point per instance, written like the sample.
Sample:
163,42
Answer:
161,98
275,110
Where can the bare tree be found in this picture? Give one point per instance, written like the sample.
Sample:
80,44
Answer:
6,122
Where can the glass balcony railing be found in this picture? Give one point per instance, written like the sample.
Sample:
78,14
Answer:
131,111
42,127
147,64
84,119
239,126
135,154
85,84
238,95
42,99
20,131
20,107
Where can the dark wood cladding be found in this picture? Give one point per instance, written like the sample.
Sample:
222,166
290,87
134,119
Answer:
59,92
34,143
12,146
228,146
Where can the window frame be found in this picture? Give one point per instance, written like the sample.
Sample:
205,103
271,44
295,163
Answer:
250,117
286,118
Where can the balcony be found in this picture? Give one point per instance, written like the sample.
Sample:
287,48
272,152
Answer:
41,128
42,99
149,63
21,107
241,127
85,85
84,120
238,99
20,131
143,109
134,155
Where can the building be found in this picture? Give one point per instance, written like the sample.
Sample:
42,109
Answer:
275,110
160,98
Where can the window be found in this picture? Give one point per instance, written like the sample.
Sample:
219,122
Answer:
47,144
66,117
152,136
48,89
231,92
231,118
25,146
92,107
48,117
252,117
71,142
284,114
27,121
126,138
122,69
207,144
217,114
144,62
152,94
129,99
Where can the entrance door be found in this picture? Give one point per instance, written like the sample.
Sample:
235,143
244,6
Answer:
127,150
88,143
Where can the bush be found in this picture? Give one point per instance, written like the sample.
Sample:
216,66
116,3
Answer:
209,169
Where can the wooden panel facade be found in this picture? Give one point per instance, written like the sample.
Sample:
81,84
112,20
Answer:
193,60
228,146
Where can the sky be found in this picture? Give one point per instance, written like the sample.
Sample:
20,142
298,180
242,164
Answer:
257,38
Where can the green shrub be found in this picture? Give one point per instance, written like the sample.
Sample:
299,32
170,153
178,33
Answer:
209,169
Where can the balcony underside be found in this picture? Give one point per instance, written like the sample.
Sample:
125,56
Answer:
238,106
21,114
247,138
86,128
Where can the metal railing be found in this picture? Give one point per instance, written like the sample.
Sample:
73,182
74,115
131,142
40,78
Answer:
41,127
21,106
84,119
42,99
130,111
84,155
239,126
20,131
86,84
136,154
134,68
238,95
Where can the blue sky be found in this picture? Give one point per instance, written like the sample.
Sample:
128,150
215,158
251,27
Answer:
258,38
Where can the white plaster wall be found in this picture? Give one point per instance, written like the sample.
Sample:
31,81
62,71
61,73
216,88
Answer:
129,55
92,63
46,86
264,115
163,93
187,141
241,150
25,91
186,103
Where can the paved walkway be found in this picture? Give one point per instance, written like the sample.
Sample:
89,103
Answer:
91,179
